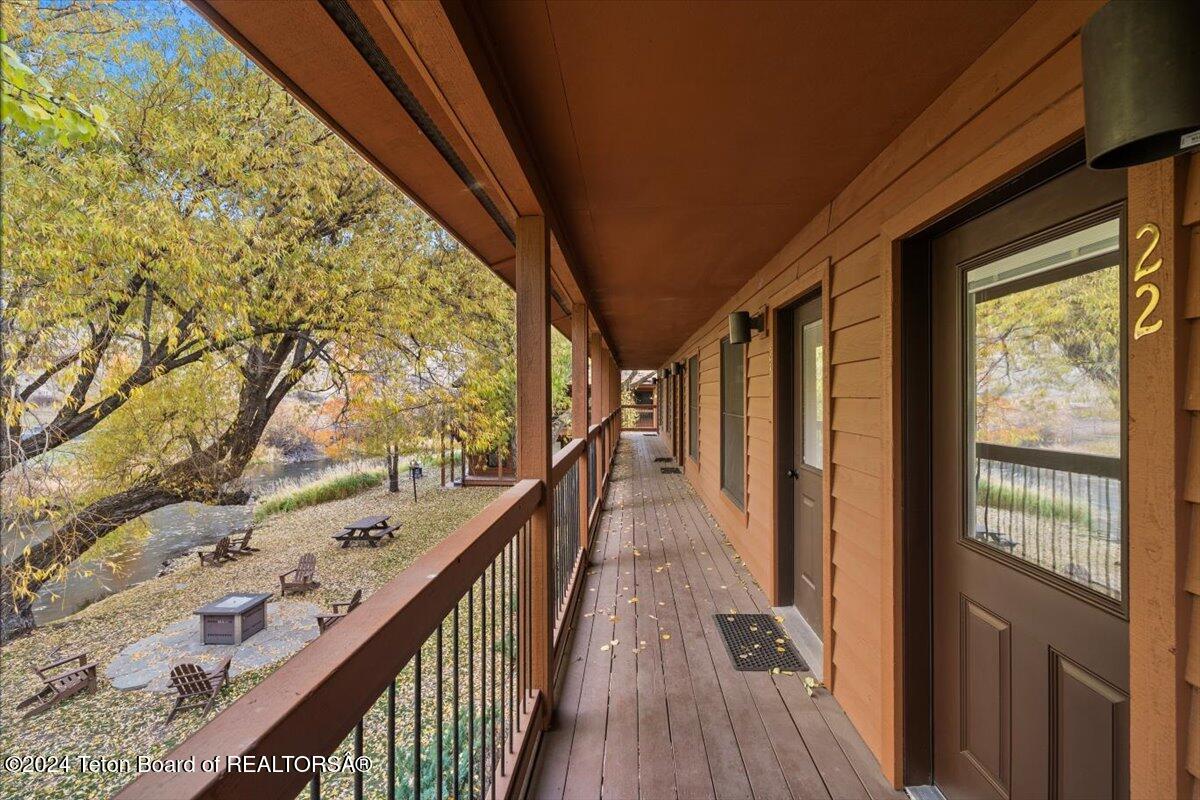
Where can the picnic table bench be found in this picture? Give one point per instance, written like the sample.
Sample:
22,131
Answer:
368,530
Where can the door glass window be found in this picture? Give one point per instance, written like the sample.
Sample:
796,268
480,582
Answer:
1044,445
814,393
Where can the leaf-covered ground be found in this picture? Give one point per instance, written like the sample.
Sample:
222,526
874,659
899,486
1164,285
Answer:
127,724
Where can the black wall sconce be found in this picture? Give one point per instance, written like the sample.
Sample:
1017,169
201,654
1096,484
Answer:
741,326
679,367
1141,81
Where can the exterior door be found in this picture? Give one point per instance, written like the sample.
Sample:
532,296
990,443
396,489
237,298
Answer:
1030,631
805,398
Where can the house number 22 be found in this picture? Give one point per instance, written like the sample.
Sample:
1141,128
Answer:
1144,268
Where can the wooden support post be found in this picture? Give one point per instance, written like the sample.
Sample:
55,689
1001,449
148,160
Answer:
579,407
442,450
596,356
1158,435
616,403
608,444
533,437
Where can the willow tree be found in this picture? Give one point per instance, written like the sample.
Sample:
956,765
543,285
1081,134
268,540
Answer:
167,286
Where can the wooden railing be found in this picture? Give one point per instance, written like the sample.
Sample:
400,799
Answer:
429,677
644,421
1057,510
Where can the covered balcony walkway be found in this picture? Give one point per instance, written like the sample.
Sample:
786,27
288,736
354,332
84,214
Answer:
650,704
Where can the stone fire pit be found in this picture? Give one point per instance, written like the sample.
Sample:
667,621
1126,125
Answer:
146,664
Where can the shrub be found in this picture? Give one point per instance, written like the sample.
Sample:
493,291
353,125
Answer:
331,487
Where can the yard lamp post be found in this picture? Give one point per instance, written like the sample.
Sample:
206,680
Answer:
415,471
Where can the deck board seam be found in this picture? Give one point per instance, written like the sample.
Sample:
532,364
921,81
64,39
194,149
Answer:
848,751
663,509
706,562
729,567
669,596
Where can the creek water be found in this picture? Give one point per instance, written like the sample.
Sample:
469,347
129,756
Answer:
168,533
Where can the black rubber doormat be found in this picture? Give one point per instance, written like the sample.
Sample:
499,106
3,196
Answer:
756,643
671,470
663,458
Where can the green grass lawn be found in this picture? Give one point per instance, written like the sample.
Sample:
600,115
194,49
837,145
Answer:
336,487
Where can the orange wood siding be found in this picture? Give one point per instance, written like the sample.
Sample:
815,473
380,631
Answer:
1019,101
1191,314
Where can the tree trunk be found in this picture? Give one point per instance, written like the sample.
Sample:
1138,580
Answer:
200,477
393,468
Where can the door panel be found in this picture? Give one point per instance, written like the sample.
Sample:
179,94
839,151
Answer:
1087,739
1030,636
986,685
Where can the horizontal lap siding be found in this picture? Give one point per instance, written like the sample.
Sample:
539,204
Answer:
1012,104
1191,221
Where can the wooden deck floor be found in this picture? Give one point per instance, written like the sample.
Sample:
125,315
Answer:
650,705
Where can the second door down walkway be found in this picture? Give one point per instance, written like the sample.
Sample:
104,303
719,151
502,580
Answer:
650,705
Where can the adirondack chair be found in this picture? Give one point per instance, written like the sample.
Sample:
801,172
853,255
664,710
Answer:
196,687
326,621
239,542
219,555
300,579
57,686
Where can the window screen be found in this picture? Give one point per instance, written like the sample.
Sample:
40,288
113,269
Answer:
694,407
733,420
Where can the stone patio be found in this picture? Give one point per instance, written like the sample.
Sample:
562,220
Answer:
146,664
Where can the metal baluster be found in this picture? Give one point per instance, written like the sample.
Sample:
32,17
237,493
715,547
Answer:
975,511
526,678
561,539
416,765
457,737
511,644
1091,565
439,728
1108,518
358,751
1037,515
1054,520
482,680
471,688
1024,509
503,651
391,740
314,787
987,500
1012,499
1070,519
492,669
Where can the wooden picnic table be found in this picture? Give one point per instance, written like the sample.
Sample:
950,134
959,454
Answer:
367,523
368,530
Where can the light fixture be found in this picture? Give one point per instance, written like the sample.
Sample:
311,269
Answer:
678,367
1141,82
741,324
